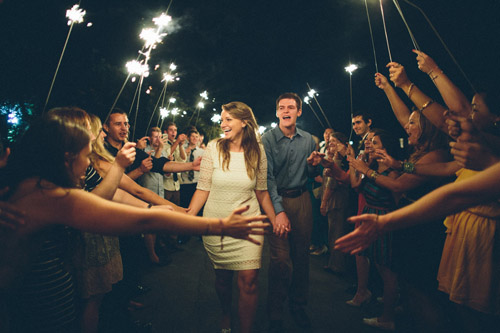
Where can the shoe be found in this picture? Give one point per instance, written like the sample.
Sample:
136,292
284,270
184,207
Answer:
300,317
276,326
320,251
359,301
385,325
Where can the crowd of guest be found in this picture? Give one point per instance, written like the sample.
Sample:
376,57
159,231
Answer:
81,203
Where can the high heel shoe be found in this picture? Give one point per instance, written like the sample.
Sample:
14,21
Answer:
359,301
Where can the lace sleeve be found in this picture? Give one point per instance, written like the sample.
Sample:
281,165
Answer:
262,171
206,169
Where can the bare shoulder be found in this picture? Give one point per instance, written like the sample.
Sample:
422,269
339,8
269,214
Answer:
435,156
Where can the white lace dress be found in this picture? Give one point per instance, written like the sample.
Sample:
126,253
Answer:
229,190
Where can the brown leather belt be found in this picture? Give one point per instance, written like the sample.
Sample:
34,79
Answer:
293,192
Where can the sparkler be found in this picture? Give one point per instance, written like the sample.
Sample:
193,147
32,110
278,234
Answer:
216,118
350,69
307,100
443,43
164,112
312,93
385,31
151,37
200,105
415,45
262,129
74,15
168,76
371,35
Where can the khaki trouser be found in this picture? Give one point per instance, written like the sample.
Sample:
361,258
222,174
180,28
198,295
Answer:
289,265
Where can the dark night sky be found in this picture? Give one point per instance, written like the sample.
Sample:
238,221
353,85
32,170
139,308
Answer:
241,50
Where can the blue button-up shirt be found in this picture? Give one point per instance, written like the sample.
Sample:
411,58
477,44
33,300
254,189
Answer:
287,166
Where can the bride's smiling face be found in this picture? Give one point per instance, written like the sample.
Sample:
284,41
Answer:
232,127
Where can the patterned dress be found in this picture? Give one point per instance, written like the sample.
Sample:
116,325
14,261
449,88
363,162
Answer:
380,201
229,190
97,260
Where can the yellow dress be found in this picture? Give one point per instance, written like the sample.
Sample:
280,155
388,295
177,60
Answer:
470,265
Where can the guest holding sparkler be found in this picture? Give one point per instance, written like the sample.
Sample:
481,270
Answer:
47,192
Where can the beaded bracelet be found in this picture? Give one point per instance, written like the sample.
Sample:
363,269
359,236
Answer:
408,167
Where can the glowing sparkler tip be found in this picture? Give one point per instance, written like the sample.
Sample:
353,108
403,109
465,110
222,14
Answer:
162,20
75,14
262,129
216,118
204,95
172,67
172,100
167,77
175,111
312,93
151,37
351,68
273,125
307,99
134,67
164,112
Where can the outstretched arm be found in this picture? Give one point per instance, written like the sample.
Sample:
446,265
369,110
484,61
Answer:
399,108
451,198
452,95
430,109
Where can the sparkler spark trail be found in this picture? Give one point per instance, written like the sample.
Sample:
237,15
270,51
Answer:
74,15
385,31
371,35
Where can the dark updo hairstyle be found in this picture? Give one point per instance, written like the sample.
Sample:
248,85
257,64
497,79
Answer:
390,143
341,137
44,152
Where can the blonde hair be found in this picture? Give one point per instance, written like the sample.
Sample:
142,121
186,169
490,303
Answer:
99,153
250,141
